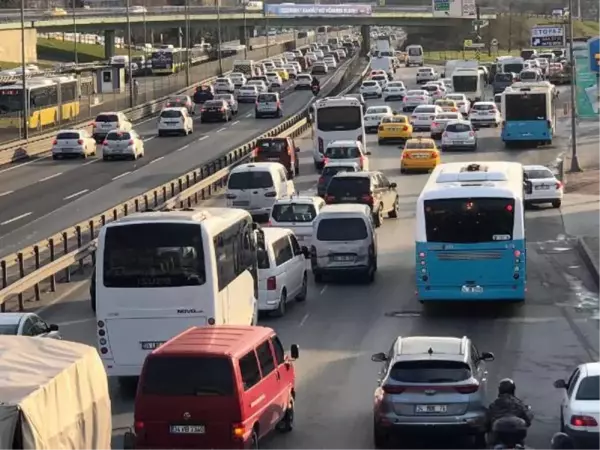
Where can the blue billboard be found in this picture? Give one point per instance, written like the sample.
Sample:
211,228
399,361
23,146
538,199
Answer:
311,10
593,51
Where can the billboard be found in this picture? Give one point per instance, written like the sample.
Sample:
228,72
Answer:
594,53
453,8
548,36
312,10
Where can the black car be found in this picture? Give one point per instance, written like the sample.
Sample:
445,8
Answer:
328,173
367,188
203,95
215,111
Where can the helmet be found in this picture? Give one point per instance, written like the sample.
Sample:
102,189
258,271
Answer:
561,440
510,431
506,386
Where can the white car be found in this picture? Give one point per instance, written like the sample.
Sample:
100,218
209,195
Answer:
347,151
319,54
371,88
423,116
381,79
459,135
238,79
373,116
175,121
260,85
27,324
580,405
76,143
435,92
291,70
120,144
224,84
447,82
394,90
545,187
463,103
282,271
289,56
485,114
231,101
296,213
330,61
312,58
425,74
303,81
274,79
441,120
415,98
247,94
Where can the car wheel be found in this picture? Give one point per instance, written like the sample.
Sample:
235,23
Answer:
304,290
380,439
394,212
280,311
287,422
556,203
378,216
254,440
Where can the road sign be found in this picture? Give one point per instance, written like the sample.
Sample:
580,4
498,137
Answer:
494,42
468,43
547,36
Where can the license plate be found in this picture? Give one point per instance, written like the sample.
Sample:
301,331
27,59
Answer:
187,429
393,129
273,159
429,409
66,149
240,203
420,156
472,289
151,345
458,142
343,258
348,199
542,187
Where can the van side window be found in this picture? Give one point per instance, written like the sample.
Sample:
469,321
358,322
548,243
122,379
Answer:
283,251
278,349
233,252
249,370
295,245
265,358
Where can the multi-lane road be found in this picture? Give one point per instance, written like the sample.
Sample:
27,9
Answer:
341,325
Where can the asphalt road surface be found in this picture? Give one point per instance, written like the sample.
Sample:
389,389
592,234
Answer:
342,324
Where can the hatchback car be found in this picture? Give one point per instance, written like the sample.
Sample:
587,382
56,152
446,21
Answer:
418,155
485,114
77,143
231,101
319,68
215,111
224,84
394,90
544,186
441,120
180,101
374,115
27,324
175,121
431,382
330,170
303,81
108,121
296,213
459,135
370,88
347,151
247,94
121,144
268,105
426,74
278,149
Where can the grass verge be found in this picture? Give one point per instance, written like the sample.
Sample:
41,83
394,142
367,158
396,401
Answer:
445,55
58,50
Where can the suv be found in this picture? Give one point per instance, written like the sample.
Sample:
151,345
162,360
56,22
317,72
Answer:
367,188
278,149
268,104
107,122
431,381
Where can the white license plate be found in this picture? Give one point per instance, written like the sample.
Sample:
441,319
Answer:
348,199
344,258
542,187
431,409
458,142
151,345
187,429
240,203
472,289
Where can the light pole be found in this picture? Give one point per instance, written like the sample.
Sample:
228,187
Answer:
574,159
129,62
24,96
219,39
245,31
187,42
74,34
145,25
267,28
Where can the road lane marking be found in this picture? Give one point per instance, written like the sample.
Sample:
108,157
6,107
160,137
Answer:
49,177
221,129
182,148
304,319
89,162
121,176
202,138
249,114
157,159
235,123
149,138
3,194
76,194
323,290
14,219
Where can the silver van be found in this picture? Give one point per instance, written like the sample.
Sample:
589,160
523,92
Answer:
344,242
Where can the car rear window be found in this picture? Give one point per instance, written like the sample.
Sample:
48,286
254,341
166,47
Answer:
121,136
400,119
330,171
484,107
193,376
225,97
419,145
431,88
427,371
250,180
170,114
342,229
448,116
68,136
588,389
214,104
370,83
294,212
342,152
350,186
264,98
458,127
248,88
539,174
375,110
425,110
271,147
503,77
107,118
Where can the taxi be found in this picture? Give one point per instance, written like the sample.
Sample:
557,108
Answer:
447,105
283,73
401,56
394,128
419,154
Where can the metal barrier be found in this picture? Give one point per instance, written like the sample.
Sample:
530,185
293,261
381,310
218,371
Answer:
45,259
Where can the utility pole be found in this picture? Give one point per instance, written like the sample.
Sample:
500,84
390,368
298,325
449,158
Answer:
575,167
510,26
478,31
24,95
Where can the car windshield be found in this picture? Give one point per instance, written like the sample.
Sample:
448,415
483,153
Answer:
68,135
377,110
426,371
121,136
9,330
250,180
458,128
394,119
294,212
342,152
342,229
539,174
170,114
588,389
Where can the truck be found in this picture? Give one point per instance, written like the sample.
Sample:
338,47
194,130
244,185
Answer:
383,46
54,395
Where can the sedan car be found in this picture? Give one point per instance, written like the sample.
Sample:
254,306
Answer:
435,91
303,81
27,324
231,101
463,103
247,94
330,61
441,120
180,101
425,74
544,186
419,154
394,90
215,111
75,143
224,84
485,114
370,88
238,79
120,144
394,128
423,116
373,117
459,135
415,98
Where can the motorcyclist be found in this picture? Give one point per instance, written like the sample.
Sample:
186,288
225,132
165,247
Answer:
315,83
562,441
506,405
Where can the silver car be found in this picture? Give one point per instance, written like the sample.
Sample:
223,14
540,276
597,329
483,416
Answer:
231,101
180,101
27,324
268,105
459,135
121,144
429,382
441,120
247,94
77,143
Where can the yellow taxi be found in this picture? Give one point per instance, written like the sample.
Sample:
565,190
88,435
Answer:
447,105
283,73
394,128
419,154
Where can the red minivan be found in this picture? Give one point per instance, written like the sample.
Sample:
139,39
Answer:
214,387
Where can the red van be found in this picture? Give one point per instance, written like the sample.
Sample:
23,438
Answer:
214,387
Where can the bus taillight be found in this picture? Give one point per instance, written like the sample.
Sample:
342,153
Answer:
320,145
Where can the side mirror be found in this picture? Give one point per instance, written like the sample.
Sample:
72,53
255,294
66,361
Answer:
294,351
487,356
305,252
368,153
53,327
379,357
528,187
560,384
393,185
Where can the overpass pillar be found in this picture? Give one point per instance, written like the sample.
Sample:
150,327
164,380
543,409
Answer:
109,44
365,32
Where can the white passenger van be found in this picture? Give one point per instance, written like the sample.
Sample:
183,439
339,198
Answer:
469,81
298,214
414,55
159,273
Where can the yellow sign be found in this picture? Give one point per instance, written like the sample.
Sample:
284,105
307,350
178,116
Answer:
468,43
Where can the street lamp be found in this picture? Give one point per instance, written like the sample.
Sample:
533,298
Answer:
219,36
131,93
24,96
74,33
575,167
187,42
266,28
245,31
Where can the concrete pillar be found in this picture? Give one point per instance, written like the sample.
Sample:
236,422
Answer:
179,32
365,32
109,44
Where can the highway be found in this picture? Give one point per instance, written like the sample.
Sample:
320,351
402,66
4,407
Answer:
342,324
41,197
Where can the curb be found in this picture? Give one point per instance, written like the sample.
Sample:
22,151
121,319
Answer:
588,259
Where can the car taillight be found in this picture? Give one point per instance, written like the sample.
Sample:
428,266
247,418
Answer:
105,143
367,198
405,155
469,389
454,110
80,142
434,124
54,142
320,145
583,421
255,152
329,199
388,389
203,110
139,426
131,142
321,180
362,161
271,284
238,430
380,128
471,133
559,185
445,135
325,161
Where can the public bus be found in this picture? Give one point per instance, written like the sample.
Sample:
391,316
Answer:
528,113
335,119
169,59
159,273
507,64
470,233
50,101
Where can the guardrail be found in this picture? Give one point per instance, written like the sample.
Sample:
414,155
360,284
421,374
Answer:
28,268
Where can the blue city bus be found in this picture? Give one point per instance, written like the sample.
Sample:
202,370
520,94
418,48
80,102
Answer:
470,233
528,113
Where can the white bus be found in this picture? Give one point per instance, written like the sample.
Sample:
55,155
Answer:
159,273
469,81
506,64
335,119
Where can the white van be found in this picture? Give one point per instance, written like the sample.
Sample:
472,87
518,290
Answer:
344,242
414,55
297,214
255,187
282,271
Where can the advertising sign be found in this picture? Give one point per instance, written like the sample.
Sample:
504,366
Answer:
594,51
587,88
453,8
548,36
311,10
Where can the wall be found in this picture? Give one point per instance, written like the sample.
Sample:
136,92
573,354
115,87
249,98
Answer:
10,47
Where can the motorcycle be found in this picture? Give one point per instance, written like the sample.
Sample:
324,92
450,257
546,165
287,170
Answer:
315,89
509,433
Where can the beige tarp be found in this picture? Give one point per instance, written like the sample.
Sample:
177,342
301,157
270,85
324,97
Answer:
59,390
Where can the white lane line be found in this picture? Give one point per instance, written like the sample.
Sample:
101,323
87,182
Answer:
235,123
16,166
121,176
90,162
75,322
304,319
14,219
49,177
157,159
149,138
202,138
323,290
221,129
249,115
76,194
182,148
6,193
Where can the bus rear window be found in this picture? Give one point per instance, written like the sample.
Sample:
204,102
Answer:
339,118
469,220
525,107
